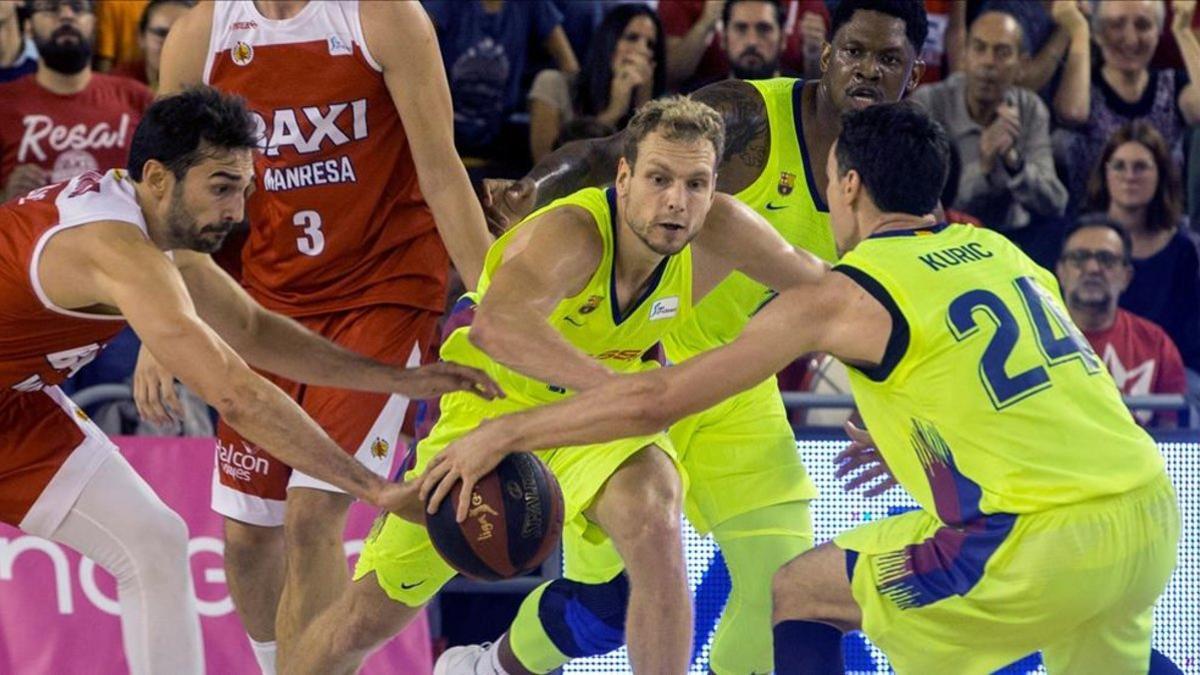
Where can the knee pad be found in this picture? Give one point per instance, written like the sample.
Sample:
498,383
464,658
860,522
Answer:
585,619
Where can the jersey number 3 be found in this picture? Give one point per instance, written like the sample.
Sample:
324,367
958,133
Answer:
312,241
1057,339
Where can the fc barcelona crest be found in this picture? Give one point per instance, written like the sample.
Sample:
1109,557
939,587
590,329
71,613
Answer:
592,303
787,181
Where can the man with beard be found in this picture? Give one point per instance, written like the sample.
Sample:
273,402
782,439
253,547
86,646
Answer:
79,260
748,485
1094,270
753,38
64,119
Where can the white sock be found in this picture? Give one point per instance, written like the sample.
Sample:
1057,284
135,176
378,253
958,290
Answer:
264,653
492,659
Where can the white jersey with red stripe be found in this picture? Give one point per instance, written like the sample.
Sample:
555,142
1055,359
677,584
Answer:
41,343
338,220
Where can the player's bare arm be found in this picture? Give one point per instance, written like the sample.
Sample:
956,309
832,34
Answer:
277,344
402,39
552,258
110,267
735,237
184,51
593,162
834,315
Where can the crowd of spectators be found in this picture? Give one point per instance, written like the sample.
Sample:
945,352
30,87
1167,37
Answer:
1073,121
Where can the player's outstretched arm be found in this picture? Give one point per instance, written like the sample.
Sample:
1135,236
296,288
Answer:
835,315
736,238
277,344
402,39
551,258
118,267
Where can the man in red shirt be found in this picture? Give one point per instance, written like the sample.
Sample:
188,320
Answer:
698,53
64,119
1094,269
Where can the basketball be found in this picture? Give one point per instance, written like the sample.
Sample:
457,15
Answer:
514,523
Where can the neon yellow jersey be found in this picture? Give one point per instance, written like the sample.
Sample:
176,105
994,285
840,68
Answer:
785,194
989,400
589,320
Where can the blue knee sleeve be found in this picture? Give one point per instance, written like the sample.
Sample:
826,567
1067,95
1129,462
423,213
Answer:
585,619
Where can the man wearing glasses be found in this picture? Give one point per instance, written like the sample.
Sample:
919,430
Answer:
64,119
1094,270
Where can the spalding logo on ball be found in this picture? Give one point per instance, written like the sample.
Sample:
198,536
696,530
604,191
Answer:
514,522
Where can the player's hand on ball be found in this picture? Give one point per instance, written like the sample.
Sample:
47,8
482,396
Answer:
154,391
440,378
468,459
402,499
862,453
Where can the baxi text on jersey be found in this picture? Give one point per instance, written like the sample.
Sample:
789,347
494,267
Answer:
320,172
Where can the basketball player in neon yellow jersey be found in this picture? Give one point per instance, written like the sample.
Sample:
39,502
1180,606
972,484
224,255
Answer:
747,484
1047,520
568,299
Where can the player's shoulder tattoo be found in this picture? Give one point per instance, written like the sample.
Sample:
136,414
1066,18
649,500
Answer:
747,131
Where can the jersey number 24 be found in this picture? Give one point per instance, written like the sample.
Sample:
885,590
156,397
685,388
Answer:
1057,339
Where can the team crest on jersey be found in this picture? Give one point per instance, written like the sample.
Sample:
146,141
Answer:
242,53
379,449
592,303
787,181
338,46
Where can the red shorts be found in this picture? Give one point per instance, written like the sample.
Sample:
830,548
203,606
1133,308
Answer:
249,485
49,450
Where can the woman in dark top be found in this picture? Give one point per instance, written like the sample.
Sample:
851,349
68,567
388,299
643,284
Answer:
1125,88
1136,184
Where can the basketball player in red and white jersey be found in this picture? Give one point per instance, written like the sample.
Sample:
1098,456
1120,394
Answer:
80,259
356,179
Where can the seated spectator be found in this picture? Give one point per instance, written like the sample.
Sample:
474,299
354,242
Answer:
117,32
1124,88
1051,29
64,119
625,67
1094,270
1137,185
696,49
1002,136
485,46
943,50
156,22
18,54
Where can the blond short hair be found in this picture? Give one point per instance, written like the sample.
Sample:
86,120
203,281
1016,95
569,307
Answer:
677,118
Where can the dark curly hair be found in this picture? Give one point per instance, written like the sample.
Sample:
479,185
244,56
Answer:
911,12
181,130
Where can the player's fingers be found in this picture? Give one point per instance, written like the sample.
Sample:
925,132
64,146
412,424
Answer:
881,488
170,397
443,490
141,396
464,497
430,478
863,478
856,434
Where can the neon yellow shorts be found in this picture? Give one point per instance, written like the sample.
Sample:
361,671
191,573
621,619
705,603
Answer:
403,558
1078,582
740,455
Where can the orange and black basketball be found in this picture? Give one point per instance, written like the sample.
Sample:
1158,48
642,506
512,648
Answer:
514,523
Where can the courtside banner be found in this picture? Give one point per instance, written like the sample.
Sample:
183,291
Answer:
59,612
